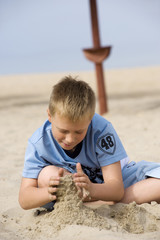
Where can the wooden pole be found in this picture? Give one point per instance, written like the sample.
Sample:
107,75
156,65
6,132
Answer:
103,106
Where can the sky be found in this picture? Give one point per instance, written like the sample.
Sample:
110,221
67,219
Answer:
47,36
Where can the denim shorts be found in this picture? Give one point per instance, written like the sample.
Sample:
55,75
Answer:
134,172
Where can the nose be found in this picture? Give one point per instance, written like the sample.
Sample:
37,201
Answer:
70,138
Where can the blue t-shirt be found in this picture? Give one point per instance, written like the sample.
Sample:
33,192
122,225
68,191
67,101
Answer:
100,147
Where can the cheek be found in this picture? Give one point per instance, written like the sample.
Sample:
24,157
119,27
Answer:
81,137
56,134
59,136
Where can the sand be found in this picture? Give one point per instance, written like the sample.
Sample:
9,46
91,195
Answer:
134,110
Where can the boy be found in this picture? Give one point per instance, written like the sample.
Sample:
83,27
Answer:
74,140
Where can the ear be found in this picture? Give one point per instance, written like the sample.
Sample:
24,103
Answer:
49,115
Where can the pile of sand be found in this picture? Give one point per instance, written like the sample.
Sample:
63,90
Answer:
70,211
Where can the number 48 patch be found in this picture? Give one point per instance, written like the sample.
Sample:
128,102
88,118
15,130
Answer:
107,143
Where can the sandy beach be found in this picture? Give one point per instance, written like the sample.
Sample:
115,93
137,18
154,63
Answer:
134,110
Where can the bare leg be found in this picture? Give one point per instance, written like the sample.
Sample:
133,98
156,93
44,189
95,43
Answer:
144,191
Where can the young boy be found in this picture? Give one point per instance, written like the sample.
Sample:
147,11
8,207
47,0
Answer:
74,140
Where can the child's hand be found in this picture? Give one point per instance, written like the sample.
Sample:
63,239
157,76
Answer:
53,184
83,183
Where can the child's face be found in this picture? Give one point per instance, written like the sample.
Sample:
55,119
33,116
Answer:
67,133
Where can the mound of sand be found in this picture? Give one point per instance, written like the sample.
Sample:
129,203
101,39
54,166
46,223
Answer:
70,211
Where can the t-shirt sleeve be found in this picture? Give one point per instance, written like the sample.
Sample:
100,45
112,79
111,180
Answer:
109,148
33,162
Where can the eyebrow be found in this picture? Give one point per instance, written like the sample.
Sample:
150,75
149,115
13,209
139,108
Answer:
79,130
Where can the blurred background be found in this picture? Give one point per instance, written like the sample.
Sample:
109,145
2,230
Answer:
40,42
42,36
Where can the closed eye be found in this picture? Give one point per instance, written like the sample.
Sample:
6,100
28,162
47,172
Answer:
63,131
79,132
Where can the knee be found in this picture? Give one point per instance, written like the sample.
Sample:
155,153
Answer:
45,174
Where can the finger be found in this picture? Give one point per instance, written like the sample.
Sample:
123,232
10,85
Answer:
54,178
86,193
60,172
52,190
79,178
52,194
79,192
78,189
81,184
79,168
52,197
53,183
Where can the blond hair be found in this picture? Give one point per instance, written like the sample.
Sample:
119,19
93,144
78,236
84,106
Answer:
73,99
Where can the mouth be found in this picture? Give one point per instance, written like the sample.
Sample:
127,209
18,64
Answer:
67,145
